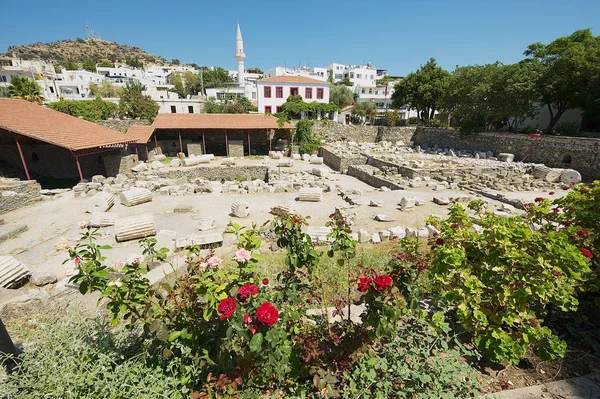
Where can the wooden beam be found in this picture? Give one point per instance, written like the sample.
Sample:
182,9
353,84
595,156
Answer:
79,168
203,142
23,159
155,144
180,142
226,144
249,150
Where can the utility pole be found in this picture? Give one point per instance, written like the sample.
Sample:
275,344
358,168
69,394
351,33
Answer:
201,82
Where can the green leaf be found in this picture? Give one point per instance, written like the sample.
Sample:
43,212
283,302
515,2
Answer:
256,342
174,335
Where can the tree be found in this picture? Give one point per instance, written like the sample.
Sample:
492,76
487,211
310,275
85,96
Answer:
341,95
105,89
216,77
90,110
345,82
134,62
177,82
134,104
191,83
211,106
70,65
25,89
255,70
106,64
330,77
295,107
365,112
175,61
392,118
569,76
422,90
89,65
238,106
487,97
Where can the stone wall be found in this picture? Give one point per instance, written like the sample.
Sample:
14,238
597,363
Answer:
122,125
15,194
229,173
404,171
371,176
581,154
339,163
115,164
331,131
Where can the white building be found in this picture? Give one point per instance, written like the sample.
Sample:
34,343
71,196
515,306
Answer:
309,72
274,91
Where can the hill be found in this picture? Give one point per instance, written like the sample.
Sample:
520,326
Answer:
79,50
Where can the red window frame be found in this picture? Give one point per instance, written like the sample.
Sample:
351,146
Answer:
320,93
292,91
308,92
278,109
268,109
265,92
278,91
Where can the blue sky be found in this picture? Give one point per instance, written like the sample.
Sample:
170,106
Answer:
396,35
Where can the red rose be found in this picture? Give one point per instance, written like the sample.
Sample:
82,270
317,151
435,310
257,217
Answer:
539,199
226,308
583,233
587,253
439,241
526,205
248,323
454,225
364,283
247,290
382,282
265,281
267,314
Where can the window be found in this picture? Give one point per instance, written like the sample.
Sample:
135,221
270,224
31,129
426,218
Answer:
308,92
363,91
319,94
351,75
371,77
2,78
267,91
278,109
51,89
191,109
358,76
254,95
339,76
173,109
370,91
279,92
294,91
268,109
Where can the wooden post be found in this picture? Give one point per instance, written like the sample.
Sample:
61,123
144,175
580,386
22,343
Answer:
137,152
147,155
249,151
203,142
79,168
226,144
155,144
180,142
22,159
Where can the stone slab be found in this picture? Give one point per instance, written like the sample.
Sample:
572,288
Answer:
8,231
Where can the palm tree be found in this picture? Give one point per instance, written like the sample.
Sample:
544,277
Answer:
26,89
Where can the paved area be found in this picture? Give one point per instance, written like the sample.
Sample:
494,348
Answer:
586,387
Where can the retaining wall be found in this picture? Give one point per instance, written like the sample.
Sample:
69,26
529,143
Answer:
15,194
365,174
339,163
214,173
331,131
581,154
122,125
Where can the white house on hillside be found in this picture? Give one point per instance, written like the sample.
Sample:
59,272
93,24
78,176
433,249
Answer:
274,91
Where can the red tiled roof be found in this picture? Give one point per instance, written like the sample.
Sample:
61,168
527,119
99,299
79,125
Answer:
141,134
347,108
218,121
53,127
292,79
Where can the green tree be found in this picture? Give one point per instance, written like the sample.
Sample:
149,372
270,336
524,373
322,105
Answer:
364,112
175,61
134,62
25,89
134,104
392,118
70,65
211,106
89,65
105,89
177,82
487,97
90,110
341,95
191,83
330,77
106,64
295,106
217,77
567,67
422,90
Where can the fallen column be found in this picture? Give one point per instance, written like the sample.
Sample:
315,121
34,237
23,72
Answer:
134,227
135,196
310,194
101,202
102,219
240,209
12,272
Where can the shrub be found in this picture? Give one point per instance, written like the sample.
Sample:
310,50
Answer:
501,281
75,357
418,362
567,128
307,141
413,120
90,110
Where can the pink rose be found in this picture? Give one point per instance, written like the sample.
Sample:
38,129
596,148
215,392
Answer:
242,255
214,261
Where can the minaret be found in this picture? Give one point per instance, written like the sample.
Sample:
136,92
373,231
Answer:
239,55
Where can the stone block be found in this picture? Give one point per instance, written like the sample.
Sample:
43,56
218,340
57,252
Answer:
135,196
100,202
175,163
240,209
398,232
12,272
363,236
102,219
166,239
318,233
441,200
506,157
134,227
384,218
407,203
310,194
42,277
570,176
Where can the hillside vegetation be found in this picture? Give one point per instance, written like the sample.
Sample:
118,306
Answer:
80,50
